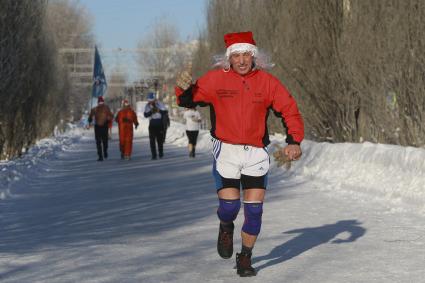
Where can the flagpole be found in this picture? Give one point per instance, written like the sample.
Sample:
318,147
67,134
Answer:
94,70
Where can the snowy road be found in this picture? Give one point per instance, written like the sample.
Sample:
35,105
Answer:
78,220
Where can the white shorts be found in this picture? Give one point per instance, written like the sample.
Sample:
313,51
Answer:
232,160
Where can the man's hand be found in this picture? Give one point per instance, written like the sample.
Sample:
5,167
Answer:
184,79
284,156
293,151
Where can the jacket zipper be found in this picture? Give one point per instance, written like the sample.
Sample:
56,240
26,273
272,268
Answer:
245,88
242,104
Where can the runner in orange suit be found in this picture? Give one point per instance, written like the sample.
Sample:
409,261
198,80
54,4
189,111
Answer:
125,118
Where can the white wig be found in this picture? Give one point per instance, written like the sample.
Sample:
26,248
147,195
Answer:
261,59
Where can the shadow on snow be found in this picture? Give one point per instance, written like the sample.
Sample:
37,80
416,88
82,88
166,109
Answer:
309,238
81,201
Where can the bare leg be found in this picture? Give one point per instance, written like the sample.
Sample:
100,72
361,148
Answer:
229,193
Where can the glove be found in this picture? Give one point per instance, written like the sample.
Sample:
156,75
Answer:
184,79
281,158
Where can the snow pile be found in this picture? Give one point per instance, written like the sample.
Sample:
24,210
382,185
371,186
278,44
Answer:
366,171
36,158
384,172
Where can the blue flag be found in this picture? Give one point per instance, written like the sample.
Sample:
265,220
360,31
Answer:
99,79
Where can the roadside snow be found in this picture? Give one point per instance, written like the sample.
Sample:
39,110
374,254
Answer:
340,214
387,173
36,159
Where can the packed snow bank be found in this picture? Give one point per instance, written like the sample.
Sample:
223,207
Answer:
386,172
366,171
36,158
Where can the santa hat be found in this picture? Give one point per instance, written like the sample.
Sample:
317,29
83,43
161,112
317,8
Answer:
125,102
100,100
240,42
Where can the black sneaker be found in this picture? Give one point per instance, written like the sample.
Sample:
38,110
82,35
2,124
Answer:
243,265
225,242
100,159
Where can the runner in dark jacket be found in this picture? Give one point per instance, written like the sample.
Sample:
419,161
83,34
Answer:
102,116
158,121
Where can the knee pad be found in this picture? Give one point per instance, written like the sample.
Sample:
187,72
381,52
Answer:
228,209
253,213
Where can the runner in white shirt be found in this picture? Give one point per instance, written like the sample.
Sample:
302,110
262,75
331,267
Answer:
193,119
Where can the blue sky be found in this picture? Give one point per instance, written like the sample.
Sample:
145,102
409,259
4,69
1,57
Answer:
123,23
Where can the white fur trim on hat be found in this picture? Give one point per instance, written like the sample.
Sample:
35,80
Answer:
241,48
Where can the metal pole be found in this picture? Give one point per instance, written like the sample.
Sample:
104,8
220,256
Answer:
90,94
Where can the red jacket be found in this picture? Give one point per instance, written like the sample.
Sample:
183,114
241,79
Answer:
240,106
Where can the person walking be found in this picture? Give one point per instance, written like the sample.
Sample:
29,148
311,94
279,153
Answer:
102,115
156,111
240,93
126,118
193,119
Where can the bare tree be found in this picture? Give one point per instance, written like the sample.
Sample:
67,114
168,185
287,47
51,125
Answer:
158,49
70,24
162,56
28,66
34,89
